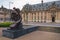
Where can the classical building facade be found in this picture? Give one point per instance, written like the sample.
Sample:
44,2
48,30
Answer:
4,14
43,12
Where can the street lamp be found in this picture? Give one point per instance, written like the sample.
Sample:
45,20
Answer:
9,6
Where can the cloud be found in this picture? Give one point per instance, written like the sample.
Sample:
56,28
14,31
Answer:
19,3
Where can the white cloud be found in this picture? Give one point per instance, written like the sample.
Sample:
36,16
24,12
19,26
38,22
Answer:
19,3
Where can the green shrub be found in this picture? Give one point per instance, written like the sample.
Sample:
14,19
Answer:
5,24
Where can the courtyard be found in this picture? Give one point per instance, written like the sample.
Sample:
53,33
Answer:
36,35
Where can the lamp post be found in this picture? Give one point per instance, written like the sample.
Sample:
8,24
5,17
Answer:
9,6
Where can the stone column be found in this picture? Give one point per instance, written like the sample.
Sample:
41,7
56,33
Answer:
45,17
38,16
24,17
56,17
41,17
34,17
27,17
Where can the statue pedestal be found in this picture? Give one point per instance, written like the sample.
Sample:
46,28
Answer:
13,33
16,33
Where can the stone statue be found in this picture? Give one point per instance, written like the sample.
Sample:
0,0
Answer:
15,16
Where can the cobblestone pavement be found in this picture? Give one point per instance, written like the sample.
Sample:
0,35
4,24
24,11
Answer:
36,35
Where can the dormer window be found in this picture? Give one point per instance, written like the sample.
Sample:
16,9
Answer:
34,6
46,4
39,5
57,5
53,3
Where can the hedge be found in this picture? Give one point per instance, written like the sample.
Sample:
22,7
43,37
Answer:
5,24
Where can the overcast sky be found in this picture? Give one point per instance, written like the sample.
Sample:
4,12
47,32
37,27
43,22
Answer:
20,3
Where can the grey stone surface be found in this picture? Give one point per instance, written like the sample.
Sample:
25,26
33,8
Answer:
17,33
43,24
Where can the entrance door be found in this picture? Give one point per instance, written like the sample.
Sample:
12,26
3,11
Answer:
53,19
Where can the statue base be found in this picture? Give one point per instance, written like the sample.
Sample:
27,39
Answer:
12,33
17,33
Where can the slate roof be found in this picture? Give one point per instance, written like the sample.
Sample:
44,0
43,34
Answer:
40,7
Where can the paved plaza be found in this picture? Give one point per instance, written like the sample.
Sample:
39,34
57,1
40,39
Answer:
36,35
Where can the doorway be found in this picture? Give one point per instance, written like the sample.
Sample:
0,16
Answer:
53,19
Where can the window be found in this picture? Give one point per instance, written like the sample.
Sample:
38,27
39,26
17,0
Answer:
46,4
57,5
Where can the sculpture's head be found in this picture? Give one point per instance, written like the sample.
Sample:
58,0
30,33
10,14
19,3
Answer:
15,15
14,8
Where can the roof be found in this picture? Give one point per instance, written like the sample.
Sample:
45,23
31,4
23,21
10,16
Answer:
40,7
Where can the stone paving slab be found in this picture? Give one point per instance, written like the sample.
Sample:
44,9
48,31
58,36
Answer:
42,24
36,35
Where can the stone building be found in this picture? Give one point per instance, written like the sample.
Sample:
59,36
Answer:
4,14
43,12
